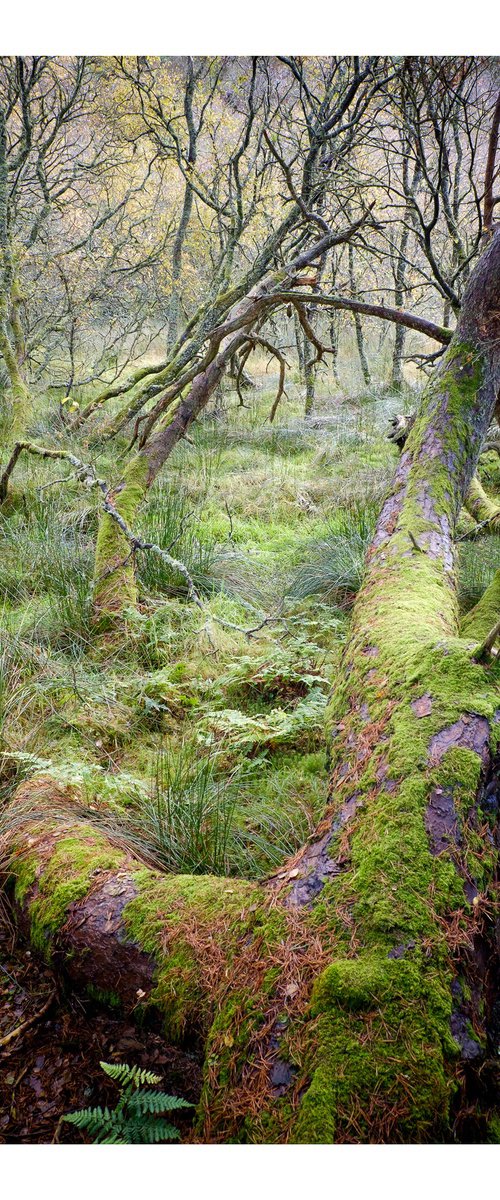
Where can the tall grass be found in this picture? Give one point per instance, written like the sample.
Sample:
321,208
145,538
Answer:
170,522
477,563
333,565
200,821
47,551
186,822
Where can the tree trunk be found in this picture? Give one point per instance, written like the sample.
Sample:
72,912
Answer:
410,188
11,342
350,998
310,367
399,292
299,341
358,324
115,587
187,208
479,505
310,378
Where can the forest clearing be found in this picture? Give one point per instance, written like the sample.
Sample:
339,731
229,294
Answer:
249,600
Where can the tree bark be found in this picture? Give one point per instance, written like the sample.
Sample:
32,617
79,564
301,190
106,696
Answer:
187,208
410,188
360,341
11,340
349,998
399,294
299,342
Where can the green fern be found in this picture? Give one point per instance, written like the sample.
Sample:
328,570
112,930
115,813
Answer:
136,1118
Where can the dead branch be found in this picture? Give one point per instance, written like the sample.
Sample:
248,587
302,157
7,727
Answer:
273,350
86,473
311,335
420,324
20,1029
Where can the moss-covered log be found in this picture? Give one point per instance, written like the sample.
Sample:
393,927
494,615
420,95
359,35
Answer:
121,929
352,998
479,505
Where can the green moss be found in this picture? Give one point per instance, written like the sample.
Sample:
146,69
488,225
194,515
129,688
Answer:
361,1075
480,506
110,998
185,922
25,876
68,875
381,1020
365,982
117,591
478,622
463,767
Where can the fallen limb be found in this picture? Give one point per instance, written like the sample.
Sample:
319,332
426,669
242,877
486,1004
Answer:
383,311
86,473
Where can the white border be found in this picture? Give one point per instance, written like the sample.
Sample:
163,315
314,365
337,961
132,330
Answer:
237,1172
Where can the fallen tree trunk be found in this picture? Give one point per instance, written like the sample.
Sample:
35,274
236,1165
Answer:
353,997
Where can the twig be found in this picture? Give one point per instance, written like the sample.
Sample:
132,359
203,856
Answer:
11,977
15,1033
414,542
52,482
472,533
86,473
138,544
60,1123
230,519
278,619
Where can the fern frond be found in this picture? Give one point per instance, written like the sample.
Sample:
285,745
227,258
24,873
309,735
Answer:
124,1074
137,1116
150,1132
155,1102
91,1119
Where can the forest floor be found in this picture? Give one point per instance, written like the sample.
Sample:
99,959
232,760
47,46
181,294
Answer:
52,1066
197,739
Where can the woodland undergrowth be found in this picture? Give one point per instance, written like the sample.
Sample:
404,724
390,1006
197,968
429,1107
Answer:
199,744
